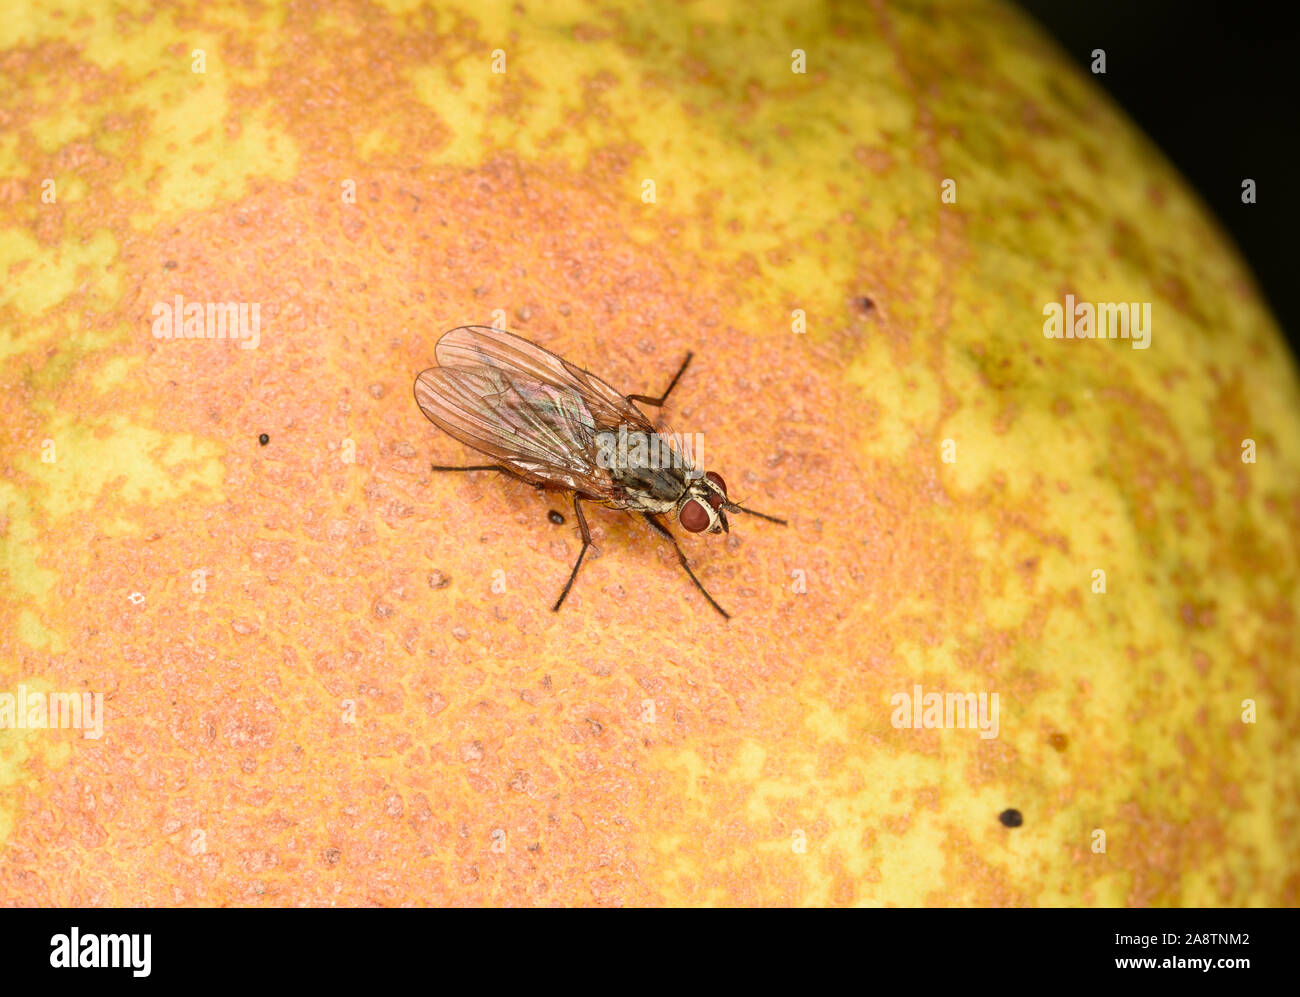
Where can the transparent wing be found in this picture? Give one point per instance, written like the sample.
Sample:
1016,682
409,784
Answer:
522,412
481,345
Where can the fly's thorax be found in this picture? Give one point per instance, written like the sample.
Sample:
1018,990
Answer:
650,473
650,489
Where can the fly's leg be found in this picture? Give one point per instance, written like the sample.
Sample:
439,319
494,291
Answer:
487,467
662,530
658,402
586,542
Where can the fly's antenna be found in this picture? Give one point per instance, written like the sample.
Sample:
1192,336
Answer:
732,507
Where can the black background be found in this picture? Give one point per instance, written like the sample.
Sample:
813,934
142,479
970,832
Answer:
355,950
1215,86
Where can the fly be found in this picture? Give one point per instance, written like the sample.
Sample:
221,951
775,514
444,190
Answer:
548,422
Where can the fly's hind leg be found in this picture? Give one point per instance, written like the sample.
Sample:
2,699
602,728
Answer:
586,542
487,467
658,402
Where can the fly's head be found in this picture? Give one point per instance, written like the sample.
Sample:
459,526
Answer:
703,505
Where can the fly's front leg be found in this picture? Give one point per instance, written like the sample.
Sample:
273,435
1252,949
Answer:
586,542
662,530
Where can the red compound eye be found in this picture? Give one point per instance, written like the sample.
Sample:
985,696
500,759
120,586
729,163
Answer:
693,517
716,500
